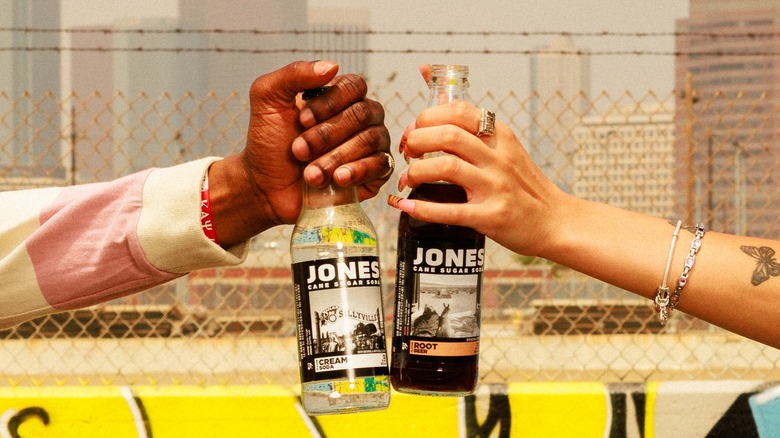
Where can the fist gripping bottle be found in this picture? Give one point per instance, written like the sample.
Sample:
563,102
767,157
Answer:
435,347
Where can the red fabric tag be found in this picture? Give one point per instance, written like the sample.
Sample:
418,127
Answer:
206,219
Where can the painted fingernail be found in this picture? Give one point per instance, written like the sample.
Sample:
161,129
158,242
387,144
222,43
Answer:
393,200
300,149
402,143
402,180
400,203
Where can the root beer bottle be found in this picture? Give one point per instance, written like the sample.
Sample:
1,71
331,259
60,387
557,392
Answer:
438,284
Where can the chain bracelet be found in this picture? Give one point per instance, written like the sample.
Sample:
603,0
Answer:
681,282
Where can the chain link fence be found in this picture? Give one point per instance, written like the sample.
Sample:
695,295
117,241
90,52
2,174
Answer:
712,159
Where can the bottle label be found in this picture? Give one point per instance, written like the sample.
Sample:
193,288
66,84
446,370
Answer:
341,329
437,305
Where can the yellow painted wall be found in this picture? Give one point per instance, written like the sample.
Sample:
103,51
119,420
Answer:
576,409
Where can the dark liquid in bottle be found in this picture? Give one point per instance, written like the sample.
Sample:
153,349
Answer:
414,373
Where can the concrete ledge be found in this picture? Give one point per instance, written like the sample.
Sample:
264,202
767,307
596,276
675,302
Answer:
576,409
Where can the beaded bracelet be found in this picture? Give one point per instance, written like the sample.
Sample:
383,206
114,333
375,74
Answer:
662,298
695,245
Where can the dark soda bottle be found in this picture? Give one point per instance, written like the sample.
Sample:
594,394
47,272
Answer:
435,347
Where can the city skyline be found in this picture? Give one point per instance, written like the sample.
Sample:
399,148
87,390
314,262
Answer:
398,72
558,83
626,159
734,119
549,66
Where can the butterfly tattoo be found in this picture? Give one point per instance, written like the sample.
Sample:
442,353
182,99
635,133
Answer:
766,266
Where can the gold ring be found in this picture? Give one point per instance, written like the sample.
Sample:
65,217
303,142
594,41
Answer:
390,165
487,123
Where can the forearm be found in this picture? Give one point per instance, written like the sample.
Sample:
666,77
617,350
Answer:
630,250
621,247
65,248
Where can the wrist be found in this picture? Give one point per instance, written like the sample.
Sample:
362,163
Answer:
550,223
564,228
236,209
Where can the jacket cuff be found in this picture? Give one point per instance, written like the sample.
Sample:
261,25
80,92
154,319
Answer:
169,227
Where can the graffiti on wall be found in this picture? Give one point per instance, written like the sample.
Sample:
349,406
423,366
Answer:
644,410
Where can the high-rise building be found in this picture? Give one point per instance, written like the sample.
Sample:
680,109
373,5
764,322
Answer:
30,141
728,123
245,38
92,88
559,81
153,95
155,73
341,35
143,80
625,159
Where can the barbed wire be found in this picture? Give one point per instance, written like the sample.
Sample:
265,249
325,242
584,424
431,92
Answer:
365,31
140,49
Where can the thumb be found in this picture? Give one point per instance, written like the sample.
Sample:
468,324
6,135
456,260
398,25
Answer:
284,84
426,72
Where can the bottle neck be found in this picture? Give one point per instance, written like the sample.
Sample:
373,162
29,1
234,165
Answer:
329,195
446,94
448,83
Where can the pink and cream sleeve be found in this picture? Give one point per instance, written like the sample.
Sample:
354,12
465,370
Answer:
71,247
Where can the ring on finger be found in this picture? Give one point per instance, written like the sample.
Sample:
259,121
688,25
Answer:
390,165
487,123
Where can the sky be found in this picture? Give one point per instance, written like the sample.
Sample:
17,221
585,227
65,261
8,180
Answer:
612,73
608,72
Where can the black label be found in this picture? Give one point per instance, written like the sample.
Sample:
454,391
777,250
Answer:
339,315
439,286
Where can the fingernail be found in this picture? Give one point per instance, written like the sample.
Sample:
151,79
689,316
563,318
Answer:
322,67
400,203
307,118
402,182
343,175
402,144
393,200
313,175
300,149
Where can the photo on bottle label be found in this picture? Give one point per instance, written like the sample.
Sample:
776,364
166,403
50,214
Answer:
349,326
447,306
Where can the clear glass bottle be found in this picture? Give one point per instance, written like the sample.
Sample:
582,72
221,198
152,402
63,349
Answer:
338,299
435,347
